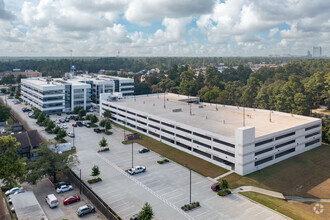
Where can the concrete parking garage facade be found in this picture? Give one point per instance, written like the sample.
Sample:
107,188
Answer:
240,139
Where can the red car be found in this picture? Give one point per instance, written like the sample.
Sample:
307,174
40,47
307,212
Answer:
74,125
71,199
216,187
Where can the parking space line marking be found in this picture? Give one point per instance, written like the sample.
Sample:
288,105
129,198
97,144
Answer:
180,200
116,206
169,192
145,187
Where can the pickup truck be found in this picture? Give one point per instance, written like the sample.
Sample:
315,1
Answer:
136,169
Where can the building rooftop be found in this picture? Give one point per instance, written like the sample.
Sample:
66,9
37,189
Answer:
215,118
27,206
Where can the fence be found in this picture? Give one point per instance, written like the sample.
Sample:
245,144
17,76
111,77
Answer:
91,195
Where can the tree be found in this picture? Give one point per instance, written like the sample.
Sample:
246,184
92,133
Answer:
107,114
103,142
88,117
56,129
224,184
95,170
11,166
94,119
76,109
107,125
60,134
211,76
48,163
250,92
41,118
146,213
82,113
50,125
4,112
102,122
300,105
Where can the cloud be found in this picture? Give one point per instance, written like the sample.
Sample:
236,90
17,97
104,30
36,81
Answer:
143,12
273,31
5,14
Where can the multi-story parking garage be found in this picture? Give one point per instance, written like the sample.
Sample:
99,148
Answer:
241,139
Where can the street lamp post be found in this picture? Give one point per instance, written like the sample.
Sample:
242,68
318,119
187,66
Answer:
124,129
190,187
74,135
132,154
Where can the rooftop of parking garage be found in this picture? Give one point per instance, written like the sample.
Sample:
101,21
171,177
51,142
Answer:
220,119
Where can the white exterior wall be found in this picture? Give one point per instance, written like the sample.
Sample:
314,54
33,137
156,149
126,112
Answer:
244,161
31,93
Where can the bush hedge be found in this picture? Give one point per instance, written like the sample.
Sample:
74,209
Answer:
188,207
94,180
104,149
224,192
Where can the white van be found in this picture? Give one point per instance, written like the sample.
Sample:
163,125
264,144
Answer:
51,201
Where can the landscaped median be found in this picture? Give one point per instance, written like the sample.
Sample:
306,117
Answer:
198,165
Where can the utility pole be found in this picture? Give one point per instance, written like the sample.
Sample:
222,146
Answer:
190,187
164,100
74,135
124,129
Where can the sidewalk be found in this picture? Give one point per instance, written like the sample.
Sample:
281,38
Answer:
277,194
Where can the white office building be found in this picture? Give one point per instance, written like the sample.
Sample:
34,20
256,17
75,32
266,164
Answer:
64,94
240,139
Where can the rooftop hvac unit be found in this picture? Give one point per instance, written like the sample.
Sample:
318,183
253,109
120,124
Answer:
177,110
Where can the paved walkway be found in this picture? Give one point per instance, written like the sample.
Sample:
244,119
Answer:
276,194
223,175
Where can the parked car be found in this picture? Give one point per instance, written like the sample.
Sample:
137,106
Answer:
51,200
67,119
134,217
83,210
31,114
71,199
62,120
64,126
71,134
91,110
59,114
17,192
216,187
144,150
13,190
26,109
68,113
97,130
87,125
59,184
74,125
136,169
64,188
4,131
79,123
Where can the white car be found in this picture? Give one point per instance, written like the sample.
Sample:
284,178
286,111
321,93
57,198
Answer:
13,190
4,131
64,188
64,126
71,134
136,169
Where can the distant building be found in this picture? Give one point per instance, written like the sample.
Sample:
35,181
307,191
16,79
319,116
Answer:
64,94
317,51
26,73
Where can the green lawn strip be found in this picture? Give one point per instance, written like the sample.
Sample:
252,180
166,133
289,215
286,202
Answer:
290,209
8,206
10,121
200,166
294,176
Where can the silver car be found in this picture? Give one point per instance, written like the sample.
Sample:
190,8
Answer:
83,210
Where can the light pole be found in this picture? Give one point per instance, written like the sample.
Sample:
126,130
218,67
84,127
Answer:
74,135
80,181
190,187
132,154
124,129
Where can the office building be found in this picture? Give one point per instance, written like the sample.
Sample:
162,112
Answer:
64,94
240,139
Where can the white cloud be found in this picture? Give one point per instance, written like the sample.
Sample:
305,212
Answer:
273,31
5,14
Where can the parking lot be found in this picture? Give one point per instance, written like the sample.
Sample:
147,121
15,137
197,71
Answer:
44,188
164,186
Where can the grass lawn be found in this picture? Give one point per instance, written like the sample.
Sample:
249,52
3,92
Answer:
198,165
305,175
295,210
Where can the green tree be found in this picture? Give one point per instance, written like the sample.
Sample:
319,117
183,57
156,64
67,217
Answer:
76,109
103,142
41,118
50,125
107,125
4,112
48,163
314,87
95,170
102,122
211,95
82,113
250,92
224,184
11,166
146,213
88,117
94,119
56,129
300,105
211,76
60,135
107,114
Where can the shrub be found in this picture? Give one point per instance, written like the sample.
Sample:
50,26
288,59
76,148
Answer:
160,161
166,160
107,132
188,207
95,170
104,149
94,180
224,192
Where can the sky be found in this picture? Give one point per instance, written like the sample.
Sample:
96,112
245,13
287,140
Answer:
163,27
